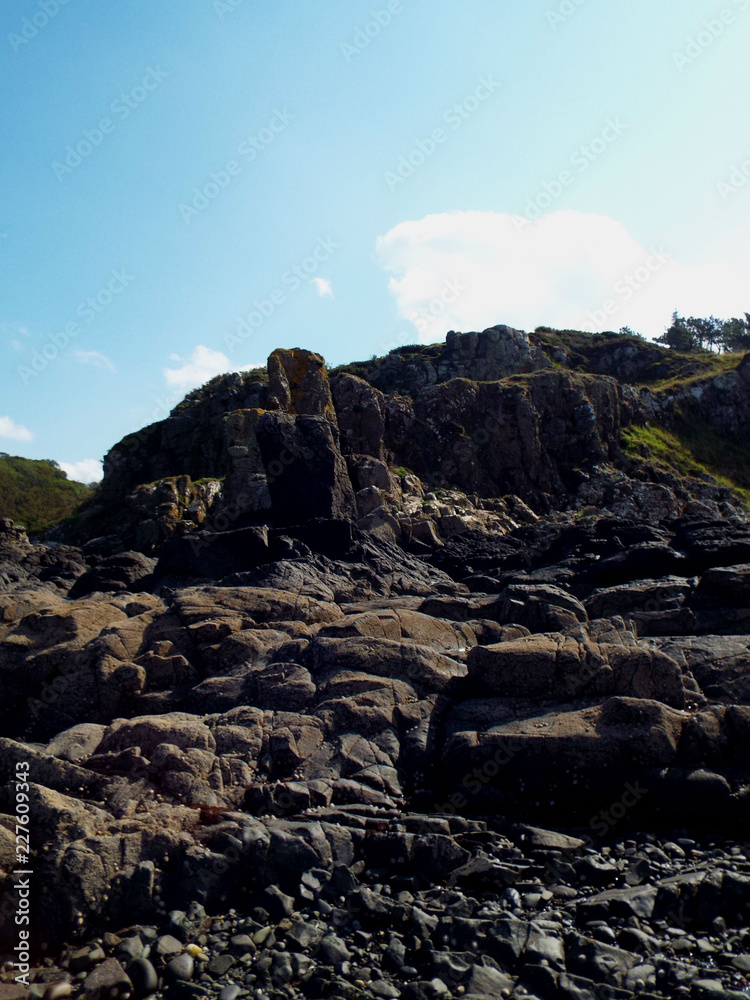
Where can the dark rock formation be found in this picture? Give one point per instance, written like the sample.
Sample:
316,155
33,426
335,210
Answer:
306,473
300,738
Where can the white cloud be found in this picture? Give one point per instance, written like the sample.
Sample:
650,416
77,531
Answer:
16,432
471,270
196,370
323,287
95,358
86,471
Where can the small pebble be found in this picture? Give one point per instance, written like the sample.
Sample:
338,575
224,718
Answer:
57,991
230,992
180,967
143,977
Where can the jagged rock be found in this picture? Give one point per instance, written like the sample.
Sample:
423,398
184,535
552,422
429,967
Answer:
214,555
156,511
360,410
124,571
23,565
307,476
298,383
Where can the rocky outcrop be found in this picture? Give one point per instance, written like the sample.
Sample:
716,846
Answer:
521,435
285,719
721,402
24,565
190,441
488,413
306,473
486,357
298,384
301,737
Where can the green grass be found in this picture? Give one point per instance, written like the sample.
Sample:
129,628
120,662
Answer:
693,368
692,451
37,494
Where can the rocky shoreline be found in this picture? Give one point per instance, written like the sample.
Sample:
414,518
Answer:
533,913
369,733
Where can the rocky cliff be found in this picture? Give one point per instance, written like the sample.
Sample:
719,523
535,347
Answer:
488,414
416,678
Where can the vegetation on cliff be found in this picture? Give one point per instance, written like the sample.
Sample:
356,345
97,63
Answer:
37,494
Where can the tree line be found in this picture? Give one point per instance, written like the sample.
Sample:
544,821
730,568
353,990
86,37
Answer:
712,334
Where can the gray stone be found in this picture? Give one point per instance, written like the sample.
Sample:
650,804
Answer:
180,967
143,976
221,964
167,946
107,981
230,992
332,950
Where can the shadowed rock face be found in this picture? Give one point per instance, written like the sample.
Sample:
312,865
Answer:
306,473
366,681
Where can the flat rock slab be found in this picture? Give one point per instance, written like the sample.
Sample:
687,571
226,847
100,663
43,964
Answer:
620,732
557,666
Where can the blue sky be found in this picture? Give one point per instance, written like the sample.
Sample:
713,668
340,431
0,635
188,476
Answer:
191,183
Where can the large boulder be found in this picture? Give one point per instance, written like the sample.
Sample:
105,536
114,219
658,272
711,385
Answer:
561,667
248,605
214,554
421,666
500,754
306,473
719,663
360,410
123,571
